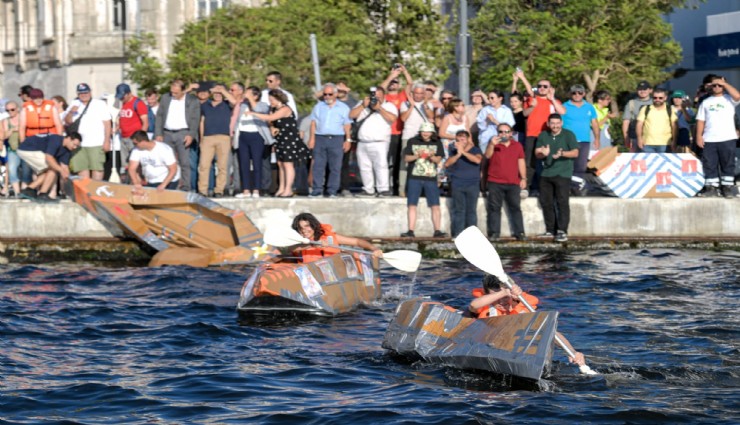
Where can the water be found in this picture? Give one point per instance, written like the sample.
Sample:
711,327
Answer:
87,344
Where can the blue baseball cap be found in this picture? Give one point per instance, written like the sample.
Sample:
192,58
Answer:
83,88
122,90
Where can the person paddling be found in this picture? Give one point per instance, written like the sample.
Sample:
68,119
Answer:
310,228
494,299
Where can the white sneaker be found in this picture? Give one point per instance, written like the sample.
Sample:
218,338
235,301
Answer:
255,194
243,195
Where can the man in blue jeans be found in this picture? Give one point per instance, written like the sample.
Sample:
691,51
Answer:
463,165
329,139
423,154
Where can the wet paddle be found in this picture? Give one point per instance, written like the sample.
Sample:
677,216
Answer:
479,252
404,260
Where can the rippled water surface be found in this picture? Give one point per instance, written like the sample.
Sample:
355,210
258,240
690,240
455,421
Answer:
89,344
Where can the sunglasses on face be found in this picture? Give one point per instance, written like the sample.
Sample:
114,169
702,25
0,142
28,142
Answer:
505,131
577,92
328,94
658,98
10,109
543,86
713,86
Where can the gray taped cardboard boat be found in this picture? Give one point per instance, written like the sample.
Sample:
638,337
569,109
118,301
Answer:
180,227
519,345
329,286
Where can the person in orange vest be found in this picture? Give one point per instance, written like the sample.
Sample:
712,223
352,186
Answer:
310,228
494,299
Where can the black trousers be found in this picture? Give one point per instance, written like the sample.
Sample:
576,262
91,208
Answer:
555,189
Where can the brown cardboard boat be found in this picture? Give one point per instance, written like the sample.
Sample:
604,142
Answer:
179,227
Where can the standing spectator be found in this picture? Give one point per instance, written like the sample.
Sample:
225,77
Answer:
454,121
330,138
9,132
603,115
464,169
397,96
177,124
441,107
343,95
95,127
686,118
158,164
251,137
423,154
417,110
657,125
25,93
580,119
274,81
61,103
477,102
491,116
516,103
558,148
289,148
541,106
717,135
215,138
631,110
376,117
506,176
236,97
132,117
49,158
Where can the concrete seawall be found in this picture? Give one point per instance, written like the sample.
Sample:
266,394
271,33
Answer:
591,217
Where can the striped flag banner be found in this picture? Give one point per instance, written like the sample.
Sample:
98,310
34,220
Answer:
653,175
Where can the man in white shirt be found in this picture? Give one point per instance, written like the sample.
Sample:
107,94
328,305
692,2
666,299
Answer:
158,164
274,80
374,141
716,133
95,126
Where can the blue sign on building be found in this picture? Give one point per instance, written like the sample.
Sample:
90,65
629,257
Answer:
717,52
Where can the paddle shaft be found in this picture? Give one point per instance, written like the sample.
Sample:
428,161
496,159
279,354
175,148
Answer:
560,342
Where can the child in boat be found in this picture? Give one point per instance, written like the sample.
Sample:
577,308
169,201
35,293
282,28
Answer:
310,228
494,299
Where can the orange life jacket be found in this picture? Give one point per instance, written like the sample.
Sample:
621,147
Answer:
40,119
315,252
500,310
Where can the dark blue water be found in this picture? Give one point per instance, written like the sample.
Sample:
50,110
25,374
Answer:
88,344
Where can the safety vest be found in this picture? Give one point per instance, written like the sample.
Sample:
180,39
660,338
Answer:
499,310
315,252
40,119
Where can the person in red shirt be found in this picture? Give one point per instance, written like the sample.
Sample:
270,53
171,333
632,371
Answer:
537,111
397,97
506,178
133,116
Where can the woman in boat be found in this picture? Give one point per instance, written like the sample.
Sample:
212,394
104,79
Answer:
496,300
310,228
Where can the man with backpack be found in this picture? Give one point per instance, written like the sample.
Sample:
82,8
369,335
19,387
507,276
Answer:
133,116
657,125
631,110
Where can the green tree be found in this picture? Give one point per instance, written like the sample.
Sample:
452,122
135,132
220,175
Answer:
144,70
603,44
357,43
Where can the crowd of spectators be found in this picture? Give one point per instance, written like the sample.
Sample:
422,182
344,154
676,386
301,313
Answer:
402,137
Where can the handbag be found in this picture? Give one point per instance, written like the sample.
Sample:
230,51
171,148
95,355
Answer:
74,127
356,126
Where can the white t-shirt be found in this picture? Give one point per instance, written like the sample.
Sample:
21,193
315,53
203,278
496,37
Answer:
376,128
175,119
718,114
414,121
91,127
155,163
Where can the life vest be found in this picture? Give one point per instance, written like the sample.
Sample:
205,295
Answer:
315,252
499,310
40,119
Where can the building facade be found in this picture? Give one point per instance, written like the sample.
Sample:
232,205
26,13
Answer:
56,44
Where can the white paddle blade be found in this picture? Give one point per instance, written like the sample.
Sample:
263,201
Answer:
474,246
282,236
404,260
114,177
587,370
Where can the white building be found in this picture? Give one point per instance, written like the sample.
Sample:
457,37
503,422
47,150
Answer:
56,44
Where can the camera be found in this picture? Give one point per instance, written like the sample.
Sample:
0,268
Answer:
396,65
373,97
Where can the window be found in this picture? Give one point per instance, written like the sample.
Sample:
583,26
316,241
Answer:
204,8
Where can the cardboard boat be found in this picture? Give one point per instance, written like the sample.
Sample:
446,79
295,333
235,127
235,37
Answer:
647,175
326,287
181,227
519,345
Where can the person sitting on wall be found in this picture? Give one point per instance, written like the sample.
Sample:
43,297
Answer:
495,300
310,228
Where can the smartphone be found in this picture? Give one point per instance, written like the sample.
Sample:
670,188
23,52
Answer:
396,65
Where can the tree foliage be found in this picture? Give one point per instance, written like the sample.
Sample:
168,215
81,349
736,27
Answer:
144,69
602,44
357,41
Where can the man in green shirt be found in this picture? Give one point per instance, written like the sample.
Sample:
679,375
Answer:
557,148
